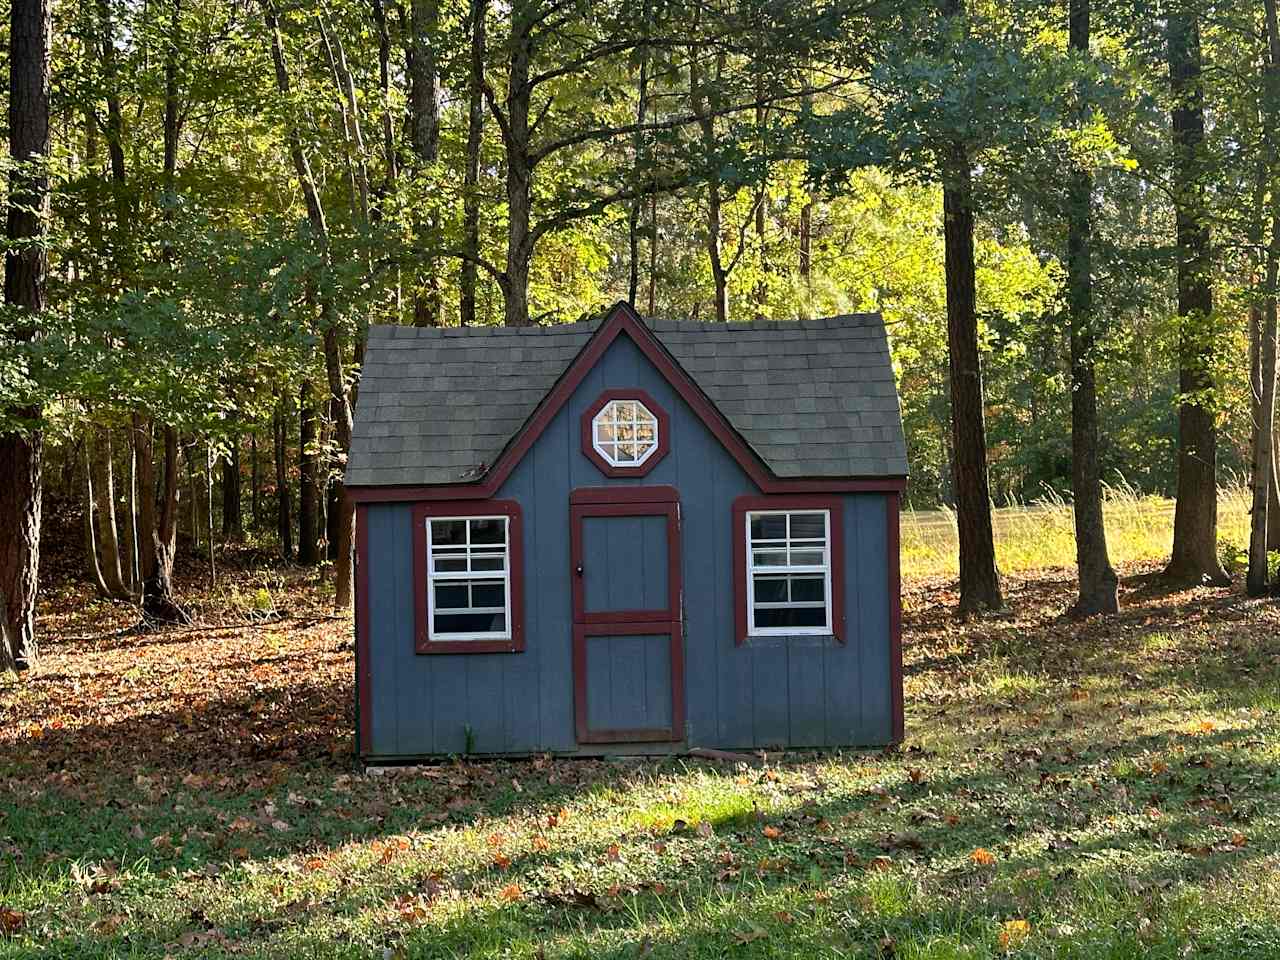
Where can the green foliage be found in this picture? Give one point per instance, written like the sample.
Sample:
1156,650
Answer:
202,296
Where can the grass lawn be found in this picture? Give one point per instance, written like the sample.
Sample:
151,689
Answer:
1111,790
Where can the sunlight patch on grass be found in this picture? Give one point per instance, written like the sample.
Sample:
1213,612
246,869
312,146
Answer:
1041,535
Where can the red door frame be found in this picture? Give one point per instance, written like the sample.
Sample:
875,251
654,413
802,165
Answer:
662,501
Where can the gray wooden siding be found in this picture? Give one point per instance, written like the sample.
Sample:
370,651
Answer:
624,563
800,691
628,681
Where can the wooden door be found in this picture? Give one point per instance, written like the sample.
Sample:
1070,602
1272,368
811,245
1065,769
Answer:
628,646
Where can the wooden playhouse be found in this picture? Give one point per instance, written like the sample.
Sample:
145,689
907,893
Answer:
627,536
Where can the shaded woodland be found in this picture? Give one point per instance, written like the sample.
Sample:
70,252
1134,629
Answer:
1069,217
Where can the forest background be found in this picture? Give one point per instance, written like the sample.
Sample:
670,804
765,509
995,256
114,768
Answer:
1068,217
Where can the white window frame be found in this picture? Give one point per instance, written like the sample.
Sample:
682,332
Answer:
787,542
469,576
598,445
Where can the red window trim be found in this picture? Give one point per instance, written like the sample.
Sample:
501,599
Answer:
744,505
588,440
423,642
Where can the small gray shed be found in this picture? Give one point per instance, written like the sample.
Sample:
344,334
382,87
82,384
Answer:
627,536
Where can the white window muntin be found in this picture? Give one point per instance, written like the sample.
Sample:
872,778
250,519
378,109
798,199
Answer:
790,558
624,433
476,565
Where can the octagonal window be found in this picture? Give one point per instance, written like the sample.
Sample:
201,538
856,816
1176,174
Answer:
625,433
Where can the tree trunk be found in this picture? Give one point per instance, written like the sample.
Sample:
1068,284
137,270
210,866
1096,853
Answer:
93,566
1273,500
344,559
255,481
1098,583
158,603
25,275
131,528
98,455
328,322
280,447
195,521
979,578
144,459
232,519
1264,422
424,120
515,283
715,225
1195,521
308,480
471,169
806,243
633,214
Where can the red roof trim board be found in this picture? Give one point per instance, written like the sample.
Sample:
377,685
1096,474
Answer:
663,437
742,506
622,320
423,641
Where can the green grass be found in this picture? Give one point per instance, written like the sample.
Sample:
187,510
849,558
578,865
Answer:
1041,535
1106,790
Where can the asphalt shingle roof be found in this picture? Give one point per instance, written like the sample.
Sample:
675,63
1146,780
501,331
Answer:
813,398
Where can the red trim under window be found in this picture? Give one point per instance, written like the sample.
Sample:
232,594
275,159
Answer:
744,505
423,641
624,320
663,436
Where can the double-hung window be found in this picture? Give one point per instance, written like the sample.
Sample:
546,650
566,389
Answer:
469,586
788,572
788,554
468,567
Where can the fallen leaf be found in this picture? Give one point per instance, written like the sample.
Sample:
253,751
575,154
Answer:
772,833
511,893
983,857
750,933
1013,932
11,921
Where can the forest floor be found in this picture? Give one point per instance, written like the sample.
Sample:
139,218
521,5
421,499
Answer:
1107,789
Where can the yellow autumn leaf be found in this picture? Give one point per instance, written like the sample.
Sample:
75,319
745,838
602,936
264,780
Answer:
1013,932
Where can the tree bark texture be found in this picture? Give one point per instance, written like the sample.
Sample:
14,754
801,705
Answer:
93,566
424,121
232,516
26,270
98,454
280,447
979,578
1195,520
715,220
308,479
328,324
515,281
471,171
1256,581
158,602
1097,579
